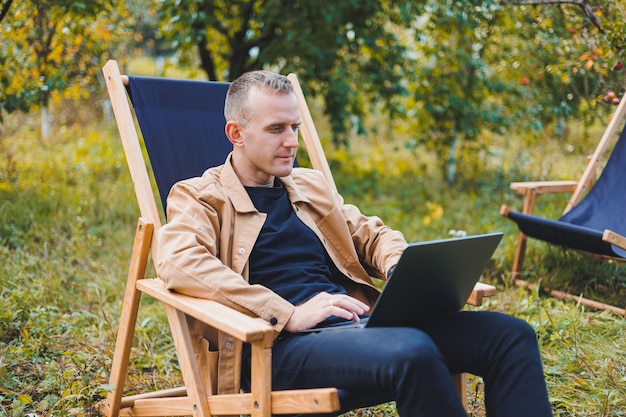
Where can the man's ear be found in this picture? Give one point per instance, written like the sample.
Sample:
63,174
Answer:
233,133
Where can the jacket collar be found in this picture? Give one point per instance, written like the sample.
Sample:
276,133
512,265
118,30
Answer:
239,196
295,195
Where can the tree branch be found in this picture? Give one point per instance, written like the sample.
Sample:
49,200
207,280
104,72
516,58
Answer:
5,9
587,10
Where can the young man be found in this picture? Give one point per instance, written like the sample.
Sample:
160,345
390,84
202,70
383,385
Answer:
273,241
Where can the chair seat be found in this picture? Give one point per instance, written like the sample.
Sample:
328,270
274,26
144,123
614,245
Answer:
565,234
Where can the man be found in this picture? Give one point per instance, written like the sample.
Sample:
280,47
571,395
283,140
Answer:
273,241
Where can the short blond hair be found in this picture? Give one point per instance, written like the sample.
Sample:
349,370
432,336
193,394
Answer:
236,105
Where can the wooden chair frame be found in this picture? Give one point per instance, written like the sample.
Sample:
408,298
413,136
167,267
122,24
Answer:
197,398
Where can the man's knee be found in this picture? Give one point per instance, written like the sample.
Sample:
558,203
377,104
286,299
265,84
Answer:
520,331
414,349
414,360
515,338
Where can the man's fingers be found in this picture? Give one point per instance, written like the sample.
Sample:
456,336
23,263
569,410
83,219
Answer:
321,307
348,304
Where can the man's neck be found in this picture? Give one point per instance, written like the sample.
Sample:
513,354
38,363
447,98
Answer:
248,180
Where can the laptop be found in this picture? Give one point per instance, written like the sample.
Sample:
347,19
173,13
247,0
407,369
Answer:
431,278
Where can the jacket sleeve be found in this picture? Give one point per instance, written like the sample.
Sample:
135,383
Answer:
190,258
378,246
355,238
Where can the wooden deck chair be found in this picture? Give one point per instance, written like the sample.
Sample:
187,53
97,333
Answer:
178,135
594,220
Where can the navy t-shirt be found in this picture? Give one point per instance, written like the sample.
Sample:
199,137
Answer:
288,257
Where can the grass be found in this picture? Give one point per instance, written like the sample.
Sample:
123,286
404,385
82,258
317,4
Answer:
68,214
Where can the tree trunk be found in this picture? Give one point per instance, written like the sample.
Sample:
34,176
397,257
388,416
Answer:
451,169
45,123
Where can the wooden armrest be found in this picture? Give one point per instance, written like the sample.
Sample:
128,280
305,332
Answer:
544,187
239,325
531,189
219,316
479,292
614,239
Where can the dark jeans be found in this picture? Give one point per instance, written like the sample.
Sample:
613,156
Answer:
413,367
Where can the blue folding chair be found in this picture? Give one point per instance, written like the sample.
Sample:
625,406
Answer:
594,221
182,124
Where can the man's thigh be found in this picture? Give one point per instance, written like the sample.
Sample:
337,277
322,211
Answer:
359,362
465,342
364,364
472,341
347,358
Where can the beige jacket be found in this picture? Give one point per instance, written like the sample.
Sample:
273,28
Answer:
212,227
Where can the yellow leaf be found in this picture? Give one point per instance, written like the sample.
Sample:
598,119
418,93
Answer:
25,399
25,333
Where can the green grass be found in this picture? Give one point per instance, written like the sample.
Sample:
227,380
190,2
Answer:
67,218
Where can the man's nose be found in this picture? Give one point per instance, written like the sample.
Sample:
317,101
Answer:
291,139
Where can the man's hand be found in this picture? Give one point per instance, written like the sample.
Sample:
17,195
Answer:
322,306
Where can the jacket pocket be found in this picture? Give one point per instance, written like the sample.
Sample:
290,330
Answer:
207,363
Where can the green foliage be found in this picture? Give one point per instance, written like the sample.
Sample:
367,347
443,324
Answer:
49,49
333,46
454,69
475,73
445,72
583,362
66,217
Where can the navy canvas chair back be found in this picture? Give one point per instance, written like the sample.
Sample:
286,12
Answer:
182,123
605,205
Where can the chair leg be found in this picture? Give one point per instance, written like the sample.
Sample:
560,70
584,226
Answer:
518,261
261,379
128,318
460,382
188,365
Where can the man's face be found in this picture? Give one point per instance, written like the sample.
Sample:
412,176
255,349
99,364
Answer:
268,141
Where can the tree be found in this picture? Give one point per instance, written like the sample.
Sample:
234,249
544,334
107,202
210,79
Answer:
576,58
453,80
346,51
48,51
468,67
490,66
